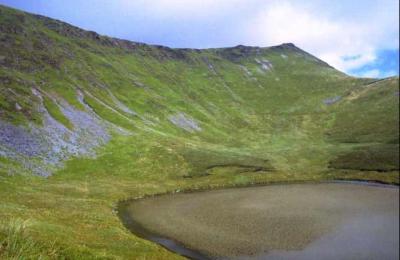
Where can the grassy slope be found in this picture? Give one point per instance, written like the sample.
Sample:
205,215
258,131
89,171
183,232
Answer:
257,126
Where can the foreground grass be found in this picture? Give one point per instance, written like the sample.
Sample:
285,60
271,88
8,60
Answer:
72,215
16,243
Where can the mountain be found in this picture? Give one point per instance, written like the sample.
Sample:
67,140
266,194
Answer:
88,120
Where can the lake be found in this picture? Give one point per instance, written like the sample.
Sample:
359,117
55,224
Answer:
285,221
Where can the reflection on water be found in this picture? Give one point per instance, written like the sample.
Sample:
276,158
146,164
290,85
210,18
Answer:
363,237
297,221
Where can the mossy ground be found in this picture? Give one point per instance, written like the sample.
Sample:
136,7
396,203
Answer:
54,110
72,214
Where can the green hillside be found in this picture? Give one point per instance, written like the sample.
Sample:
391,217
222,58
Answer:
87,121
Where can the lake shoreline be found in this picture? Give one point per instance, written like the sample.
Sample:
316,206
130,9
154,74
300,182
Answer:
180,248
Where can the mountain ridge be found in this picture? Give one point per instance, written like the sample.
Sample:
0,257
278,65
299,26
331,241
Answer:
37,58
68,29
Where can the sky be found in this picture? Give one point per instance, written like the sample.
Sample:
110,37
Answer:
359,37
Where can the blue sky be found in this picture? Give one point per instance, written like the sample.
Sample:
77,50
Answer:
359,37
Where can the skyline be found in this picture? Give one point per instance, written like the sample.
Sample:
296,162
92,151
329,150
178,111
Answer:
359,38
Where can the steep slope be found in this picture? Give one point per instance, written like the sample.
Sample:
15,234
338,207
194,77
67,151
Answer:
106,119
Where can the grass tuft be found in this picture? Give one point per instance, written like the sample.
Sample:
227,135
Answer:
15,242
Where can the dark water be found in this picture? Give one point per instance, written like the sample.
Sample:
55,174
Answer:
296,221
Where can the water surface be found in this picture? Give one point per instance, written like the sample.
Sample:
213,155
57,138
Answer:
296,221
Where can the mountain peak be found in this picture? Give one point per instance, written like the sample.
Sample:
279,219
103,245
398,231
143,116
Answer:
288,45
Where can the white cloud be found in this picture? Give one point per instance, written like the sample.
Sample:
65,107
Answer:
389,73
184,9
333,39
375,73
346,34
